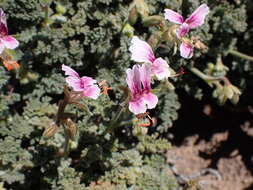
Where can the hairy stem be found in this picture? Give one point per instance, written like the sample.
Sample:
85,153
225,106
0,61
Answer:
61,108
241,55
208,78
66,144
113,123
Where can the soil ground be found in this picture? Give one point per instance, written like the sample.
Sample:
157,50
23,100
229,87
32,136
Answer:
213,146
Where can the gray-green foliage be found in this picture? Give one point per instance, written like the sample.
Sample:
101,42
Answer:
90,41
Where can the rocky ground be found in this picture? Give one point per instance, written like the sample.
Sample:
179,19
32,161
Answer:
213,147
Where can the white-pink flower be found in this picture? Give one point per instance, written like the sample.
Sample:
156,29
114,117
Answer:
86,85
142,52
6,41
139,82
186,50
196,19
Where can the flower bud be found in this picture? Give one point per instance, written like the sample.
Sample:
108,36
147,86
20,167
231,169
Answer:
50,131
133,16
128,30
200,45
71,129
153,20
170,86
236,90
170,34
155,39
228,91
60,9
235,99
140,131
142,8
222,98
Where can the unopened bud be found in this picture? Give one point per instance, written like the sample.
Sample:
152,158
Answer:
50,131
228,91
133,16
170,34
236,90
140,131
142,8
71,129
215,93
60,9
210,66
200,45
170,85
128,30
155,39
222,99
153,20
235,99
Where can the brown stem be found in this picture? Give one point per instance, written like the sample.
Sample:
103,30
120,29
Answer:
62,105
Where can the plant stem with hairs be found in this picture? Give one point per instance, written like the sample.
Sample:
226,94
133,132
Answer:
241,55
208,78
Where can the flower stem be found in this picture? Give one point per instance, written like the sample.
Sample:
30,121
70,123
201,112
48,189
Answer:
208,78
241,55
66,144
61,108
113,122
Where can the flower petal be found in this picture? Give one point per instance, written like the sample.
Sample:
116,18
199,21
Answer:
3,29
183,30
197,18
92,92
186,50
1,47
3,23
9,42
133,79
3,17
160,69
141,51
145,76
137,106
87,81
173,16
150,100
75,83
69,71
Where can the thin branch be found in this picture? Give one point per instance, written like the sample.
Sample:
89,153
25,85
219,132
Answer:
241,55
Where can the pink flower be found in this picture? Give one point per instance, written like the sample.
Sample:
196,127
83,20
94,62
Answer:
6,41
142,52
139,82
186,50
81,84
196,19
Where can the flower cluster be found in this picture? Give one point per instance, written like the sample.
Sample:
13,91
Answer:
139,77
195,20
